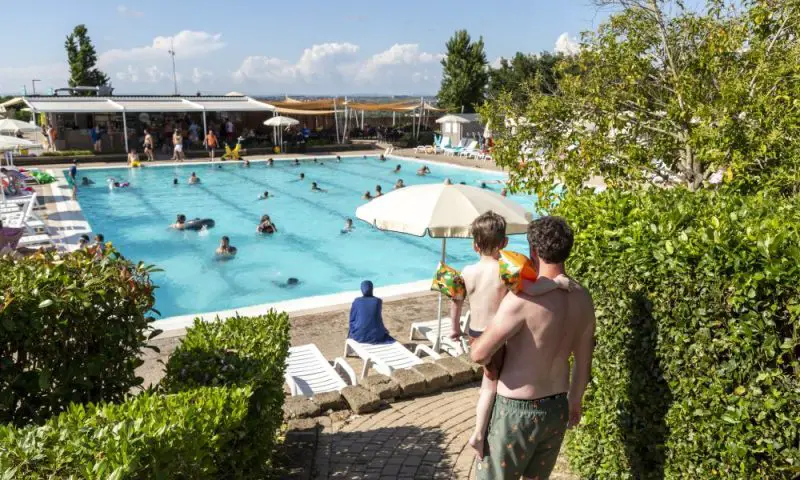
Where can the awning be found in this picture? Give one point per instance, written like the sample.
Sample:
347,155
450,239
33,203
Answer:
293,111
151,104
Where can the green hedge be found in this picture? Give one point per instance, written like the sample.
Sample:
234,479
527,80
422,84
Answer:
183,436
71,331
696,368
68,153
241,351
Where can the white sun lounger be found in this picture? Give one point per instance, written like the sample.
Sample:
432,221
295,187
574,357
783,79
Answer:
428,330
19,217
308,373
386,357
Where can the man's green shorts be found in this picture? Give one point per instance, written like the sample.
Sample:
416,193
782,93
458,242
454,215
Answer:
524,438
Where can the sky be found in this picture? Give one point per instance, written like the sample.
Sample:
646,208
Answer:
315,47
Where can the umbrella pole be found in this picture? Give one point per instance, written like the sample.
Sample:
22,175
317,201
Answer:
437,345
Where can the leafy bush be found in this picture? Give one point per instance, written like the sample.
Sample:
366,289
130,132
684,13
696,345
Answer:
696,371
68,153
408,141
185,436
241,351
71,331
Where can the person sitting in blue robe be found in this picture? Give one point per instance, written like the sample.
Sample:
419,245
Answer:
366,320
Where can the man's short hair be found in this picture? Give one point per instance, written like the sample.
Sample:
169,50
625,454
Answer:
489,232
551,239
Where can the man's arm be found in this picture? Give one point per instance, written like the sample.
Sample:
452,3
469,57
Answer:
505,324
582,364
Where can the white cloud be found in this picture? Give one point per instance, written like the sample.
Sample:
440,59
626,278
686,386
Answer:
199,76
319,62
187,44
567,45
396,61
131,74
336,66
128,12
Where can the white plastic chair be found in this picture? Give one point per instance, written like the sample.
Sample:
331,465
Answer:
427,330
308,373
386,357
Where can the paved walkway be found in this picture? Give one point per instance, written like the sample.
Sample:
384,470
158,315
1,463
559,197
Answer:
422,438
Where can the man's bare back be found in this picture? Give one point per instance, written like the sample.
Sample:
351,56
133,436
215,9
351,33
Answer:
544,332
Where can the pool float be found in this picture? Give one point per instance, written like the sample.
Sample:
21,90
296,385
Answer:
199,224
514,269
136,164
448,281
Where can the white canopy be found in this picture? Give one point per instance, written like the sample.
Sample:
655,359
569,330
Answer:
281,121
145,103
10,125
452,119
441,211
10,143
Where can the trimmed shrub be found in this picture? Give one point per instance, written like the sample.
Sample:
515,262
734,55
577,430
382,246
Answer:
72,328
185,436
68,153
238,352
696,371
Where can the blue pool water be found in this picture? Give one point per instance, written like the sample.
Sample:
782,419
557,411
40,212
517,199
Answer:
308,246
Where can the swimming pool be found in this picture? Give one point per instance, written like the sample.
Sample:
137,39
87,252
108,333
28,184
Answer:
309,244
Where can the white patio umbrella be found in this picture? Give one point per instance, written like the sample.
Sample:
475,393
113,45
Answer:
9,126
9,144
280,122
441,211
452,119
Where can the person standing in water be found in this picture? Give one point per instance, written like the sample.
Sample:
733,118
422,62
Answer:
225,249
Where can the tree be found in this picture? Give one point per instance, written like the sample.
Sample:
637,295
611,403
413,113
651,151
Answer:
464,74
82,59
666,95
522,73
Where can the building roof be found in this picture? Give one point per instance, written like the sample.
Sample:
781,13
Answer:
145,103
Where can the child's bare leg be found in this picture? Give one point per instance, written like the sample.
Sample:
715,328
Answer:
483,413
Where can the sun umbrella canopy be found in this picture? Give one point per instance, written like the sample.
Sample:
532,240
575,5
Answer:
441,211
452,119
7,143
10,126
281,121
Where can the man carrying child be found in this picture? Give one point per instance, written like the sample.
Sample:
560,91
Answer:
538,396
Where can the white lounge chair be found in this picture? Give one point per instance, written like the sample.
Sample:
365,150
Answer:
16,214
308,373
429,148
386,357
428,331
445,143
470,150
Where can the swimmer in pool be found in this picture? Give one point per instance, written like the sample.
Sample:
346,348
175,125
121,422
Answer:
219,166
264,196
86,181
175,181
424,170
483,185
504,192
113,181
447,181
302,177
266,225
180,222
315,188
366,196
378,191
338,159
296,162
462,183
225,249
194,179
291,282
348,226
315,160
383,159
399,184
396,169
246,163
270,162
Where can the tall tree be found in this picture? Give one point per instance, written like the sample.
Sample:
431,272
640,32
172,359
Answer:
82,59
522,73
464,74
665,95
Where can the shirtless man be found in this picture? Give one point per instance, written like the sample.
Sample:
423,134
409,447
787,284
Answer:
148,145
537,395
